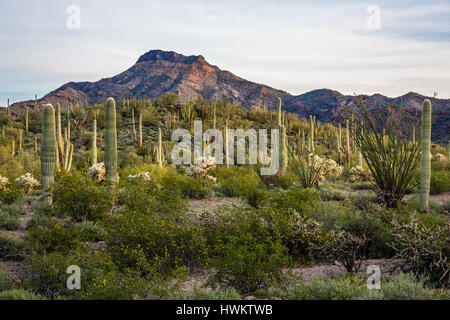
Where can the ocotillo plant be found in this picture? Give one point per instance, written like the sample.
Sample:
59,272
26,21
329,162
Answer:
425,156
48,148
94,143
140,129
111,142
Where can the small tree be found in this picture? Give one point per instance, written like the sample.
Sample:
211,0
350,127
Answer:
391,156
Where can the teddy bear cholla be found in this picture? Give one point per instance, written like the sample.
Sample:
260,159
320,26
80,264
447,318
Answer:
201,170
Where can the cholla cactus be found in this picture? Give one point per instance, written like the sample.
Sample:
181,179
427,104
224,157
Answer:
439,157
3,183
142,175
328,168
27,182
358,174
97,172
201,170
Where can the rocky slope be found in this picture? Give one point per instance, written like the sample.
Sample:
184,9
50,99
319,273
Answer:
157,72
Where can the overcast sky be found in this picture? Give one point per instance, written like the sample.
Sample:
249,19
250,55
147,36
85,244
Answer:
296,46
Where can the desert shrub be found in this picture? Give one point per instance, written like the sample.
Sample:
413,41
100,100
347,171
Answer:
328,288
258,198
294,198
50,235
247,253
148,197
12,194
8,221
152,242
405,286
440,181
89,231
4,285
19,294
359,174
10,248
347,249
422,250
100,278
197,188
227,294
248,263
236,181
283,181
78,196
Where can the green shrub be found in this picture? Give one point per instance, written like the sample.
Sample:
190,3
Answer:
8,221
147,198
76,195
246,254
405,286
227,294
236,181
258,198
12,194
50,235
440,181
19,294
283,181
152,242
247,263
197,188
328,288
3,279
89,231
10,248
297,199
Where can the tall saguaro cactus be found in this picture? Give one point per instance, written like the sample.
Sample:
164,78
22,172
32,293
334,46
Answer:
26,120
347,144
94,142
160,152
59,139
425,157
339,140
134,125
311,135
140,129
283,140
48,148
111,142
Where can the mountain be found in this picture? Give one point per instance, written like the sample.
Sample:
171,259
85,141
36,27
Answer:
157,72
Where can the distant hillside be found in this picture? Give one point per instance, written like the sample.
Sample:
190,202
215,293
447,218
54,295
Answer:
157,72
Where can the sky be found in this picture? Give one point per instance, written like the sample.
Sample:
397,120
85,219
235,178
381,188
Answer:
388,47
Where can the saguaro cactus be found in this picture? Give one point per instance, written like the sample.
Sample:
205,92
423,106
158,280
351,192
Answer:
311,135
140,129
283,140
134,125
111,142
425,157
94,143
59,139
26,120
347,144
339,145
48,148
159,148
13,149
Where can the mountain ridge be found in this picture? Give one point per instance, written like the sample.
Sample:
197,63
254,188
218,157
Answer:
157,72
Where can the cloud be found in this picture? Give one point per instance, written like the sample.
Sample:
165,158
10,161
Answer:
295,46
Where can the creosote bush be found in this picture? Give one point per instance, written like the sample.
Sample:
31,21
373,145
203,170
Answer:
77,196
